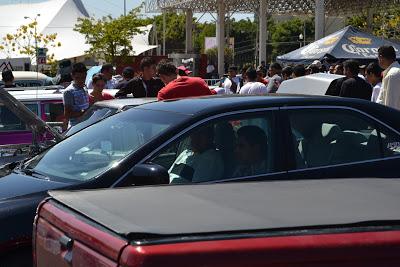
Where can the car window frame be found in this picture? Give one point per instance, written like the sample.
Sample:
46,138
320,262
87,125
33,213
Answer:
379,124
203,121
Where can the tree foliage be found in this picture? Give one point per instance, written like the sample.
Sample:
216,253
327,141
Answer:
25,40
110,37
384,23
285,35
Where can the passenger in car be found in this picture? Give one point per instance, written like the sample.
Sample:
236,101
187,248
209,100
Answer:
201,163
251,152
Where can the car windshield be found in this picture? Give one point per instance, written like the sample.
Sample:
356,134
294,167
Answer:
91,116
94,150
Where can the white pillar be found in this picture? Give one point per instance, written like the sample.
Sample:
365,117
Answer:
164,30
189,31
262,56
319,19
221,36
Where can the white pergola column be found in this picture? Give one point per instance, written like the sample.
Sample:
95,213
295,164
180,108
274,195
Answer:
189,31
262,53
319,19
221,36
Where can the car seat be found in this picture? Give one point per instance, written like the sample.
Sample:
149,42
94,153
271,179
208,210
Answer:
317,149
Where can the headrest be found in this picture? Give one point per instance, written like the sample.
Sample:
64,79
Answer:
330,132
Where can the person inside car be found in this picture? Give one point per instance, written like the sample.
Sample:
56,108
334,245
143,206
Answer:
201,163
251,151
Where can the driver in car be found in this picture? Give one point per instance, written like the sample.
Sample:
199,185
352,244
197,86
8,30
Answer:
201,163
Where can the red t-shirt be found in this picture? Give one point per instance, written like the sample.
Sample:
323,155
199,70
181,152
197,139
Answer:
105,96
184,87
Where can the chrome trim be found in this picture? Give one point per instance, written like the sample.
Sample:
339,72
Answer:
344,164
245,178
184,131
346,108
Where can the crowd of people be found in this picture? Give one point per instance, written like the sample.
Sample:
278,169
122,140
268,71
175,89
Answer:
378,81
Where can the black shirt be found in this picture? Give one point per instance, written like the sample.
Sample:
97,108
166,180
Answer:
356,88
140,88
335,87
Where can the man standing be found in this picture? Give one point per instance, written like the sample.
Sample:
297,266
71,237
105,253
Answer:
252,87
179,86
75,96
127,74
275,71
354,86
145,85
374,76
390,91
236,81
8,79
107,70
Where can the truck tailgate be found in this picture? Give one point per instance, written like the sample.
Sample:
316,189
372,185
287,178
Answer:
64,238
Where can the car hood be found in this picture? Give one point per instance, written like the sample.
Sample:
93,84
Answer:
36,124
18,185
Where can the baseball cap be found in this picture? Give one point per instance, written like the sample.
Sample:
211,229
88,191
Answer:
186,70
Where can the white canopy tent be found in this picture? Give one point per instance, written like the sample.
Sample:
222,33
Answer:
59,16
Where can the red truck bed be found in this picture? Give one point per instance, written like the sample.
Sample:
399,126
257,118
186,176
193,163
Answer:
81,229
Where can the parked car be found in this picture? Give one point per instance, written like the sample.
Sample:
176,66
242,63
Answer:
274,137
17,133
16,136
30,79
324,223
314,84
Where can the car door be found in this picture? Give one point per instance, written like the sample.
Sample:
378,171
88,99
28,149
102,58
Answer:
230,147
340,142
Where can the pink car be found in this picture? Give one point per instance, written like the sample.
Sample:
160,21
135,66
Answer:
16,133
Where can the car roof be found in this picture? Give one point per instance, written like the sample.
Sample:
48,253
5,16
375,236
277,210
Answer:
121,103
235,207
314,84
224,103
37,95
28,75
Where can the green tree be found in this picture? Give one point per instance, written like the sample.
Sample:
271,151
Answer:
285,35
25,40
385,23
110,37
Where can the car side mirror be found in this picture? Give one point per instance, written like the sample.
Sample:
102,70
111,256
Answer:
147,174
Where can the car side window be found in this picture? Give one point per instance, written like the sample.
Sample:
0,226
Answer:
390,143
323,137
10,122
233,147
54,112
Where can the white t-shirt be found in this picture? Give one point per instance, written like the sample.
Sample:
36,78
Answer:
210,68
390,91
375,92
253,88
197,167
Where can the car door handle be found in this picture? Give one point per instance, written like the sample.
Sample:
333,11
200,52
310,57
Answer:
66,242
